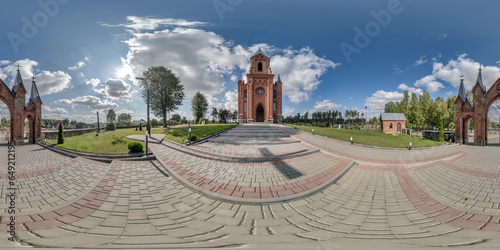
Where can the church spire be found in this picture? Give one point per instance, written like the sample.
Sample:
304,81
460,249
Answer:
18,81
34,90
461,91
480,80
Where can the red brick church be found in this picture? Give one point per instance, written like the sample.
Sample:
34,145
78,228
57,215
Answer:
259,100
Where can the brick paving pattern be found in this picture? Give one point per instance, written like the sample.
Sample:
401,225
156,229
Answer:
446,196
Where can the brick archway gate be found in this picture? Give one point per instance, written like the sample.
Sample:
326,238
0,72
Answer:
478,110
19,110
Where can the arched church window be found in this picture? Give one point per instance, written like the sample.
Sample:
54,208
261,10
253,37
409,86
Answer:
390,126
274,107
245,94
259,68
274,94
245,108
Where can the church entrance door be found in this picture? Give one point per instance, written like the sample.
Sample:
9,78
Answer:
260,113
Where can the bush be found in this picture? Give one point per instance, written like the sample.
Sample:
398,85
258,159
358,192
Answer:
135,147
110,127
140,126
60,134
176,133
441,130
118,139
154,123
193,137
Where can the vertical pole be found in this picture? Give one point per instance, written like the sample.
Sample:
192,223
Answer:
149,125
97,133
366,117
189,125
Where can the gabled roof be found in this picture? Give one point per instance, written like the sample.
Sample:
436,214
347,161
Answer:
392,117
17,82
259,52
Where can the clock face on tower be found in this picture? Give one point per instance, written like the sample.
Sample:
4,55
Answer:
260,91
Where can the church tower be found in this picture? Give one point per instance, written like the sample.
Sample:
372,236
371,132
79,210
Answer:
259,100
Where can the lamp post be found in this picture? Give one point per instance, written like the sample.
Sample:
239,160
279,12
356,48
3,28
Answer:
366,117
148,132
97,133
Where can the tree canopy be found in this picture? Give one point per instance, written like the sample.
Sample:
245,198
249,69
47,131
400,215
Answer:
199,106
165,91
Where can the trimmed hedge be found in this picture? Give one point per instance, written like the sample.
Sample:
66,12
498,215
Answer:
135,147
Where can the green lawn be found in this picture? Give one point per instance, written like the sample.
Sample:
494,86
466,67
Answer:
180,135
102,144
371,137
105,144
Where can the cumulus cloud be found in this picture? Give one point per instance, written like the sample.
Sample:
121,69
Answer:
231,100
450,72
150,23
289,112
89,101
51,82
404,87
46,81
326,105
53,113
203,59
377,101
300,71
430,83
94,82
116,89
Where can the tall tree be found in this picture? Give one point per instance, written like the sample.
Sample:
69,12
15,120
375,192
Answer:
199,106
415,116
426,104
390,107
176,117
124,119
111,116
165,91
404,105
215,113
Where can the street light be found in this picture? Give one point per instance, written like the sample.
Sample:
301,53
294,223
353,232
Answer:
366,117
148,131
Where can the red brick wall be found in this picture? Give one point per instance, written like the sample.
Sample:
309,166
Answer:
386,126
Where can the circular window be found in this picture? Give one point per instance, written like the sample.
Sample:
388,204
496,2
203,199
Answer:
260,91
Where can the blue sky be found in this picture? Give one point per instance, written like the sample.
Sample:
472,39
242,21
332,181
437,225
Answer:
331,55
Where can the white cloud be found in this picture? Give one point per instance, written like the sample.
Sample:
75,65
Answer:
116,89
128,111
87,58
421,60
46,81
150,23
77,66
231,100
202,59
53,113
234,78
300,71
442,37
404,87
51,82
94,82
430,83
213,102
326,105
289,112
377,101
89,101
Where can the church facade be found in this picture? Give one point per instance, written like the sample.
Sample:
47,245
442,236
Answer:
259,100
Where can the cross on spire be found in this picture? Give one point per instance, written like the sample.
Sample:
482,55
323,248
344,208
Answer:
33,77
18,66
480,67
461,77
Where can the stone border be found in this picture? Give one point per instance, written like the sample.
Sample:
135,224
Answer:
259,201
376,147
97,157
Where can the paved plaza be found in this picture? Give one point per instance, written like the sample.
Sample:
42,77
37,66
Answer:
258,186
